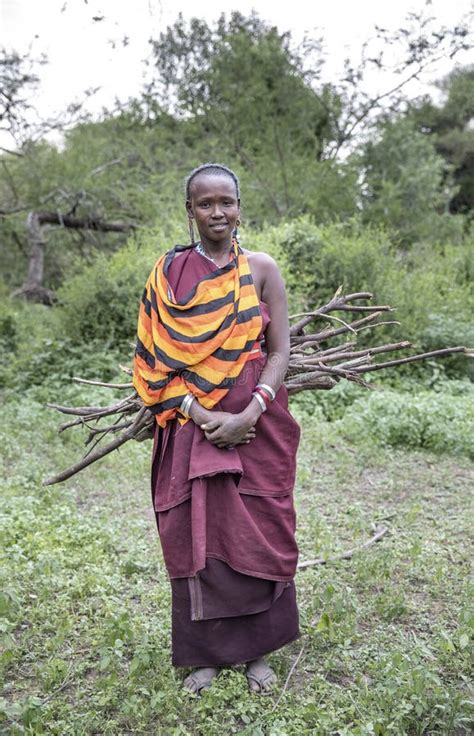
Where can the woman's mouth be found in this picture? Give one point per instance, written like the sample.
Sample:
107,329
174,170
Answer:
219,226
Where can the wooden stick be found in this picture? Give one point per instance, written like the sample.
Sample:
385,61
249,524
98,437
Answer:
111,428
345,555
308,369
324,335
101,383
94,410
285,686
327,357
324,383
97,454
413,358
337,303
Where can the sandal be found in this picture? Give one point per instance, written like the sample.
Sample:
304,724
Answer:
260,677
200,679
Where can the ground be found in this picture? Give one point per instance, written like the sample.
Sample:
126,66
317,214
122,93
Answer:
385,645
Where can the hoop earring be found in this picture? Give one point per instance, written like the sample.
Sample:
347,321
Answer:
191,230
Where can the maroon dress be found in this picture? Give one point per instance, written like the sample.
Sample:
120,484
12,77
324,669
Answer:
226,520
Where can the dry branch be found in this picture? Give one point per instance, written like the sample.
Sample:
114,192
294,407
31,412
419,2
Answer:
313,366
345,555
290,673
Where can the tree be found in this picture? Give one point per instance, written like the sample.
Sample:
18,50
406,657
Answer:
260,102
404,183
17,82
450,127
117,170
247,92
409,53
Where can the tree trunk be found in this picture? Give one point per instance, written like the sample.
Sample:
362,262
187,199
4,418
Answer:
33,289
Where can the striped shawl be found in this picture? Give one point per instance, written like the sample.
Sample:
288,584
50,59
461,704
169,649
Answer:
198,344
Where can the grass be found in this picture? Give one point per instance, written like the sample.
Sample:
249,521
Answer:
386,637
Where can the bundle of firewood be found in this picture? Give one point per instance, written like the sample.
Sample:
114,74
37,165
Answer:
313,365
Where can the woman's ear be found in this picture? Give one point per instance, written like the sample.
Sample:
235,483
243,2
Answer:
189,209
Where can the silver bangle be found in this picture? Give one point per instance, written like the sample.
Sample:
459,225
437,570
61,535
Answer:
268,389
186,404
260,400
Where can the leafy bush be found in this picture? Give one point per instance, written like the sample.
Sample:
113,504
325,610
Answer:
98,303
435,421
315,260
101,301
433,304
35,352
55,362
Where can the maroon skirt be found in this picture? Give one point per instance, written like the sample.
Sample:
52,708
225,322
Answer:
222,618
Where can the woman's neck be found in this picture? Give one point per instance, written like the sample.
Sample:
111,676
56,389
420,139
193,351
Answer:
218,252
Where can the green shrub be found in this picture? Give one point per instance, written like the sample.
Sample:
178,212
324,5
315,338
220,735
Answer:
53,363
35,351
98,302
101,301
440,422
430,286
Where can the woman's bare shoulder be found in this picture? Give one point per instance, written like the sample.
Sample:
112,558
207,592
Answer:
260,258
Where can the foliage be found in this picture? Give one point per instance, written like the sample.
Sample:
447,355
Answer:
98,302
101,301
115,170
449,126
435,421
36,352
86,599
408,413
433,305
246,89
17,79
405,187
201,105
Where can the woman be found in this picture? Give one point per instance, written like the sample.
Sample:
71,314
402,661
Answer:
212,353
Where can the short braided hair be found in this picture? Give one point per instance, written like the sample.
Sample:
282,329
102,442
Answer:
211,169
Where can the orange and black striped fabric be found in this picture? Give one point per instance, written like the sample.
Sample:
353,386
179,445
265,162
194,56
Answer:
198,344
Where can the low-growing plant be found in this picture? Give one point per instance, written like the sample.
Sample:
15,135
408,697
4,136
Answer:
429,420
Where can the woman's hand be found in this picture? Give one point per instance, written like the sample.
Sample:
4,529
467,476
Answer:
227,430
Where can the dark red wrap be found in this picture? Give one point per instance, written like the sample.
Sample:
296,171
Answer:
232,505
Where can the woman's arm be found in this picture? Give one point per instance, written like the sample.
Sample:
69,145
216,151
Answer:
277,335
277,339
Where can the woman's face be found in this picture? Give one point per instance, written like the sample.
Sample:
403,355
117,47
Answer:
214,206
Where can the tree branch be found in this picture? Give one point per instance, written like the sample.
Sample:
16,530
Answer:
345,555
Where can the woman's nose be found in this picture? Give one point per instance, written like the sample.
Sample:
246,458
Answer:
217,212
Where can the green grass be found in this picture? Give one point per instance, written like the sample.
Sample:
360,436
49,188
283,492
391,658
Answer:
386,637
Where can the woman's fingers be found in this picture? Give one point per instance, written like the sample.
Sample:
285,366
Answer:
211,425
212,437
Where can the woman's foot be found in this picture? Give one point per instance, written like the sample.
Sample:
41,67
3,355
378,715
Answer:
260,676
200,679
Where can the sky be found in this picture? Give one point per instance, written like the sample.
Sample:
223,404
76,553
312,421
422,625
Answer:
103,43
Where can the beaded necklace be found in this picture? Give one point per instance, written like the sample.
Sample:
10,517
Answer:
202,252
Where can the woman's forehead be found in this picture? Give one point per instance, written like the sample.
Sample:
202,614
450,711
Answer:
213,185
